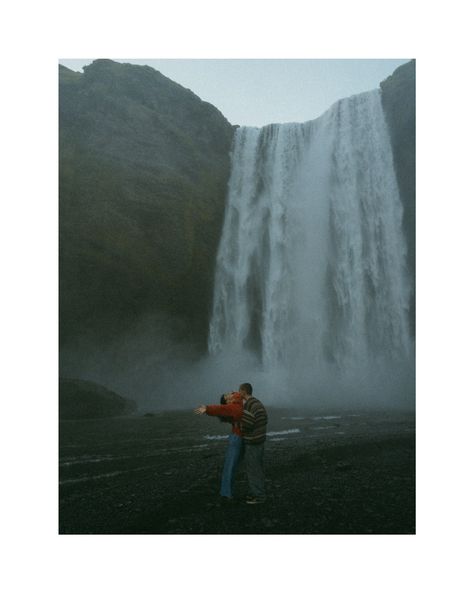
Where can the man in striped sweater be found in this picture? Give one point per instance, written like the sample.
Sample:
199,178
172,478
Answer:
253,424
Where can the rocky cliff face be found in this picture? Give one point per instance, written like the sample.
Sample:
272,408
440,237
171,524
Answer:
398,98
144,165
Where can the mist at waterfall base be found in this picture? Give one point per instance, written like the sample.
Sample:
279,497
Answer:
311,294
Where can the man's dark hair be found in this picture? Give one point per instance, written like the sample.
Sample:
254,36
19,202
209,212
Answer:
247,387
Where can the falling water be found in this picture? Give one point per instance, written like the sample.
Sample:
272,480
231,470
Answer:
311,280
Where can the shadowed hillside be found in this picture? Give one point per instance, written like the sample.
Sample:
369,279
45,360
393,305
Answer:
144,165
81,399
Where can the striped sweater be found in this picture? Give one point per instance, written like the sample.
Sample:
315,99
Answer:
254,422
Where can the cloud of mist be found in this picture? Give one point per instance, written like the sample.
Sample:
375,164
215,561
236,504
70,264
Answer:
150,367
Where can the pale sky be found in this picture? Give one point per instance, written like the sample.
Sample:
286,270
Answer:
258,92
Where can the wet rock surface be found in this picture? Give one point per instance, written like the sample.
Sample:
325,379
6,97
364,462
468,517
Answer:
339,473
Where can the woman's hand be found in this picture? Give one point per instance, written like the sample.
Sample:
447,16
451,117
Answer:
200,410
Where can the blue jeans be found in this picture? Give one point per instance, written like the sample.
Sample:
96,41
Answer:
231,462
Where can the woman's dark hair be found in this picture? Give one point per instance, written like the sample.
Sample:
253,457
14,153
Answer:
224,419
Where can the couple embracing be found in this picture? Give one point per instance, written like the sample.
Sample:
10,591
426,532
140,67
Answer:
249,426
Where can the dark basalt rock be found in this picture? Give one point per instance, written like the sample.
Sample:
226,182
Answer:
82,399
144,165
398,99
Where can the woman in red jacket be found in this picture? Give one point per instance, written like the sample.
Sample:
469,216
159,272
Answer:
231,410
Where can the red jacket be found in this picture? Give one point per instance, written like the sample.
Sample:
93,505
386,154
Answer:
233,410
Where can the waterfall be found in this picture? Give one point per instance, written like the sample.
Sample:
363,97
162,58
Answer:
311,280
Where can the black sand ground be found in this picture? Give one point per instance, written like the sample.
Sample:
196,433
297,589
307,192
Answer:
327,473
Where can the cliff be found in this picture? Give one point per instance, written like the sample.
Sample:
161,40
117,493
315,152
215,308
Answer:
398,99
144,165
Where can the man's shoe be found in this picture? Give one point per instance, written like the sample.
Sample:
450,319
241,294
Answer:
227,501
255,500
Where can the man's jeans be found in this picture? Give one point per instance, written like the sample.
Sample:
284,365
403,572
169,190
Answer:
232,458
254,467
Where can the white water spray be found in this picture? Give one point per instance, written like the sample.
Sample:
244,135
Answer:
311,278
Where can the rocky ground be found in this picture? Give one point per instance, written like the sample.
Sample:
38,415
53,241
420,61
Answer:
347,472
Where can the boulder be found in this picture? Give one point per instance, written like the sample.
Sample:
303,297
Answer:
82,399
